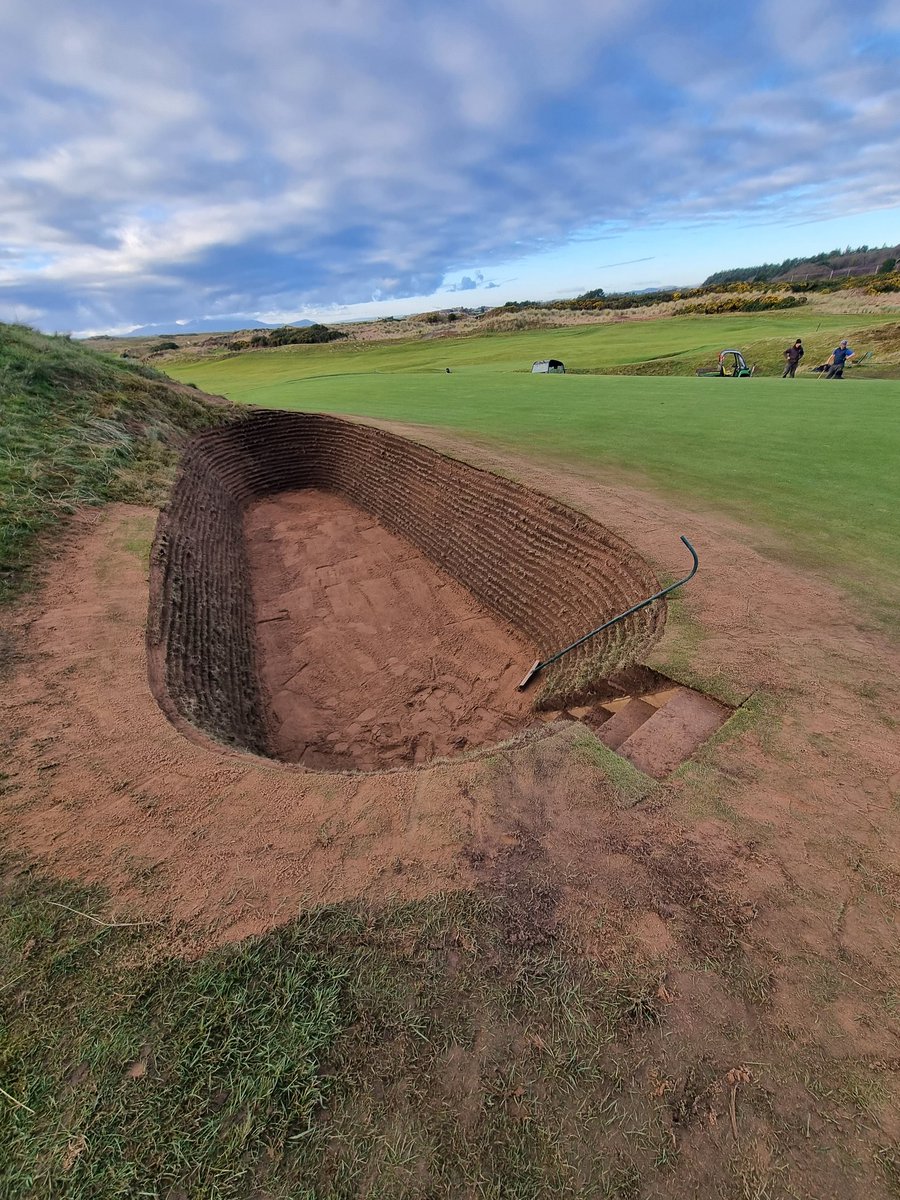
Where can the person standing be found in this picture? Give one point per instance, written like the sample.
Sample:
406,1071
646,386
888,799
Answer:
792,357
839,357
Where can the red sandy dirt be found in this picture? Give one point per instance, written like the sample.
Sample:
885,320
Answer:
783,840
371,656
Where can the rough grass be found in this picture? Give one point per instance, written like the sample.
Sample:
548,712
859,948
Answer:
78,428
409,1053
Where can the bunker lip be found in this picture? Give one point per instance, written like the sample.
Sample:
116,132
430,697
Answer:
265,515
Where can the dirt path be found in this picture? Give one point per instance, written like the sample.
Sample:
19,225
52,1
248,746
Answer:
794,815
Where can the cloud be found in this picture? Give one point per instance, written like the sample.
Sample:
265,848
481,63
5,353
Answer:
471,283
175,160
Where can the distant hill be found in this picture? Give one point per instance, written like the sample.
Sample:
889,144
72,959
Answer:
863,260
206,325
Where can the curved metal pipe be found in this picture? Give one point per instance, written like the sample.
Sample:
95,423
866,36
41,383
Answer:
539,665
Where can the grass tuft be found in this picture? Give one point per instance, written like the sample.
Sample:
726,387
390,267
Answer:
413,1051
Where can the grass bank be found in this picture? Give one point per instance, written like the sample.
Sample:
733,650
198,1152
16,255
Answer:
78,428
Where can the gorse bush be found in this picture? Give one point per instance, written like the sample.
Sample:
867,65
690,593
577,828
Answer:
737,296
887,282
289,335
734,304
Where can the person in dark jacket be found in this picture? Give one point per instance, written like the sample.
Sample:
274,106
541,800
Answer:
839,357
792,357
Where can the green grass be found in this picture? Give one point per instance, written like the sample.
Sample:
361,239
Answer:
631,785
582,348
410,1053
77,429
814,462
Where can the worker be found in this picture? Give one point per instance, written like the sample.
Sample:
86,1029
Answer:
792,357
838,360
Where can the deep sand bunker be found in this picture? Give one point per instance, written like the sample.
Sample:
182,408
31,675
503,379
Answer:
781,853
334,595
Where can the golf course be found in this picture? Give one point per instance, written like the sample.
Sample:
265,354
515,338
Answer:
450,601
797,463
302,898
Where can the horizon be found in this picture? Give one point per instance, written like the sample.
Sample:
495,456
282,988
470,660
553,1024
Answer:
313,166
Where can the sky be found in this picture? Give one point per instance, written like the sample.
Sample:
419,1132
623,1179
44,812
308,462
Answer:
335,159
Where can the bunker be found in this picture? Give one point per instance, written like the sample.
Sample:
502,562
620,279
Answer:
336,596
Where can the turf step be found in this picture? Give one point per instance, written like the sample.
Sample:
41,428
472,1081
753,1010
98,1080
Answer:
672,733
623,724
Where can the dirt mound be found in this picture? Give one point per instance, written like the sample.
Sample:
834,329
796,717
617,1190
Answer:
531,576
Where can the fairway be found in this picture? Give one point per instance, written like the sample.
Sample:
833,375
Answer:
259,377
814,462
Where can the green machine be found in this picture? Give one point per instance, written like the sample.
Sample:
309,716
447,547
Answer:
731,365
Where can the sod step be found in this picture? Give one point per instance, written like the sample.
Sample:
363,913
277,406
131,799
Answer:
672,733
623,724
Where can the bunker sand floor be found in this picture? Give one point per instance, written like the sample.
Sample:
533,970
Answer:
370,655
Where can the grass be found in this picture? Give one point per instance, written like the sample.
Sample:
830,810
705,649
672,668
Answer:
412,1053
682,647
690,340
631,785
78,429
814,465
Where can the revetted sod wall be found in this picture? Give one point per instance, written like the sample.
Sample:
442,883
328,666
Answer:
549,571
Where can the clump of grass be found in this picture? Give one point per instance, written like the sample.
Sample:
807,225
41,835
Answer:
120,1077
630,783
888,1159
79,428
412,1051
681,649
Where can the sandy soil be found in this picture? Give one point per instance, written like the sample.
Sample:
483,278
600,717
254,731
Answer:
370,655
838,766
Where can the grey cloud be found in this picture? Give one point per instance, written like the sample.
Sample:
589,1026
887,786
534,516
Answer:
312,156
